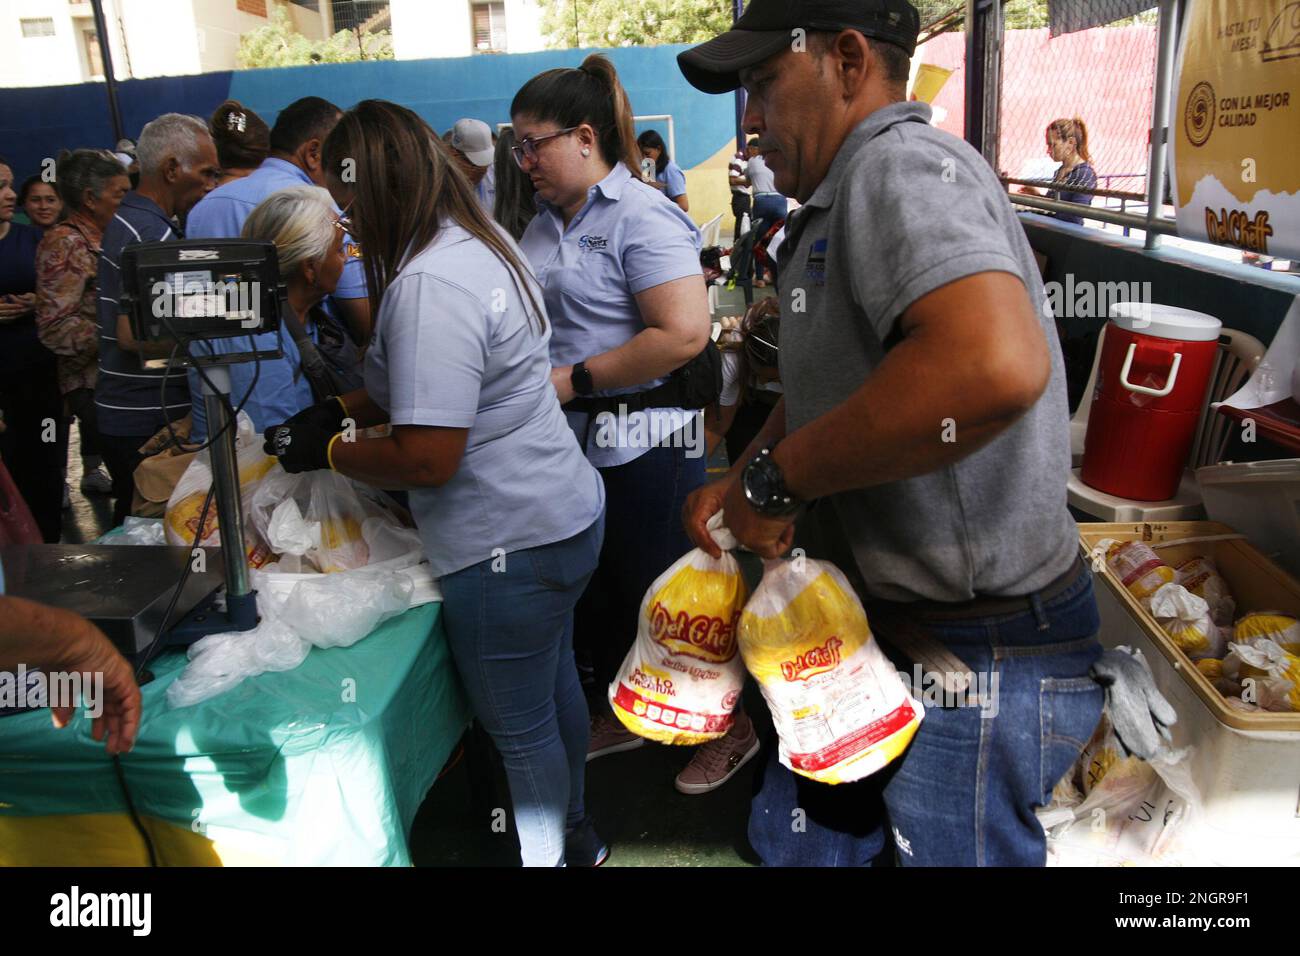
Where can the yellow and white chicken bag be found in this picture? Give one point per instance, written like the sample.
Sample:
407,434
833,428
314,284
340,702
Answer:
840,709
682,678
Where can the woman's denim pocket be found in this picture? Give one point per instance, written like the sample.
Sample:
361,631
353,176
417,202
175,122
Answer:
1069,709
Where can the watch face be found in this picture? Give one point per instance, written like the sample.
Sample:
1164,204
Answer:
760,484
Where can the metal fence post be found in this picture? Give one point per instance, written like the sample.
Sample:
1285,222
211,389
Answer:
1167,47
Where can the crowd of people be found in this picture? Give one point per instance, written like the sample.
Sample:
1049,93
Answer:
490,297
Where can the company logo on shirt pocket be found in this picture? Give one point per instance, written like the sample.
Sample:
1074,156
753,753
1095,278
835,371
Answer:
816,266
587,243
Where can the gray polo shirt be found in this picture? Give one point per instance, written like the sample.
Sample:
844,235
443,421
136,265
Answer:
904,209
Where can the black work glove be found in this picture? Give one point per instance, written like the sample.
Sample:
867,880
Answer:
1139,713
302,447
327,415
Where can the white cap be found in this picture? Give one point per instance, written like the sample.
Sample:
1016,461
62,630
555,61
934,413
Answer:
473,138
1166,321
125,159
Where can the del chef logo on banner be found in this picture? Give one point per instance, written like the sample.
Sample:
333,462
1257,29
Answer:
1235,125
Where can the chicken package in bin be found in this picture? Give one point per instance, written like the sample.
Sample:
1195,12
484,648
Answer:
1269,675
840,709
682,678
321,521
181,518
1186,619
1281,629
1202,578
1138,568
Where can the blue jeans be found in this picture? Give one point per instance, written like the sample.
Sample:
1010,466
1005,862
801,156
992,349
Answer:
643,536
964,792
768,208
509,622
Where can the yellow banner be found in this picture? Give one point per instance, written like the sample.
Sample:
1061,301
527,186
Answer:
1235,125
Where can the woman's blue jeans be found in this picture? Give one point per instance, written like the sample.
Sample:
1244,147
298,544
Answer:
509,622
643,537
964,792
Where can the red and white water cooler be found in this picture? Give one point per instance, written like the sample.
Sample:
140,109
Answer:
1155,367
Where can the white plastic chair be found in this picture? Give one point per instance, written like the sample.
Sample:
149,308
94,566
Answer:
1238,356
711,232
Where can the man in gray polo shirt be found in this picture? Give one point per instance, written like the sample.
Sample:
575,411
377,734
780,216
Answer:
922,443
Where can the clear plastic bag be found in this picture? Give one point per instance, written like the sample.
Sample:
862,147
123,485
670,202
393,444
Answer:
321,521
335,610
1122,811
181,520
1186,619
840,708
682,678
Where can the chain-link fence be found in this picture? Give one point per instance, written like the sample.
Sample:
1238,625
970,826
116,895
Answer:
940,62
1099,80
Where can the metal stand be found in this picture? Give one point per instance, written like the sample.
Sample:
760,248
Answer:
241,602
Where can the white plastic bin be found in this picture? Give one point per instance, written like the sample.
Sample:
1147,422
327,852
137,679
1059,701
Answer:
1246,765
1261,499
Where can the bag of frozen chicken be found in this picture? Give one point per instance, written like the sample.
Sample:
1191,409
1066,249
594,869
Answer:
682,678
840,709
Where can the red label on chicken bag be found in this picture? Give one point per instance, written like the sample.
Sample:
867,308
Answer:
840,709
680,681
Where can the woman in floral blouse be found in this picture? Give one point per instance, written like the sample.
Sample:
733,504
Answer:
92,184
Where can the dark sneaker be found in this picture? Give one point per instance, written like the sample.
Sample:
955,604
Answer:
717,761
583,845
608,736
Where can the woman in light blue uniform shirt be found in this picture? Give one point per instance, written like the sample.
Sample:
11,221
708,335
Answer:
508,509
668,174
621,272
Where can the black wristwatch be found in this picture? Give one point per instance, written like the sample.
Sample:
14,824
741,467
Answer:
580,379
765,488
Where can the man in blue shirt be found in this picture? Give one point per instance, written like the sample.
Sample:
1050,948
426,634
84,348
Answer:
178,167
295,160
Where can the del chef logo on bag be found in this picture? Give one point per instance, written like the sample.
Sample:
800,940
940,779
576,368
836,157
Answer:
704,637
819,660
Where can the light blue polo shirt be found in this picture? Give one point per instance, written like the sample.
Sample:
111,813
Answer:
455,346
627,238
282,389
221,214
673,178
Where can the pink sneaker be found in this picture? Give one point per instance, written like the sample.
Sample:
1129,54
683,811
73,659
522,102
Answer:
717,761
608,736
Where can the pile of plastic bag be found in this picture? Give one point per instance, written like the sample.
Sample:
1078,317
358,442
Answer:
1112,810
840,708
318,521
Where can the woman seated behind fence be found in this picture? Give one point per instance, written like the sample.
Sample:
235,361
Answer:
1067,142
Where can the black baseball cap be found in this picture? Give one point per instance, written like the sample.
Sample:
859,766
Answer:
765,29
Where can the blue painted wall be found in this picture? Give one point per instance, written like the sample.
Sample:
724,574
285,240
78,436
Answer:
38,122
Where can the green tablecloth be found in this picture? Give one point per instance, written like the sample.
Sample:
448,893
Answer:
324,764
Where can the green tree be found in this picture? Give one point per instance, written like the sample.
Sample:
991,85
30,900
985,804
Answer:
279,44
613,23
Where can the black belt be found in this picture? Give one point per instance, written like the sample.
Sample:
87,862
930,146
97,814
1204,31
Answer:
981,605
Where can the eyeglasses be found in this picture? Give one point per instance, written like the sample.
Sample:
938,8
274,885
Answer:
344,221
527,148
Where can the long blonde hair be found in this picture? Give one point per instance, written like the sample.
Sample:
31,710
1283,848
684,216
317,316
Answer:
406,184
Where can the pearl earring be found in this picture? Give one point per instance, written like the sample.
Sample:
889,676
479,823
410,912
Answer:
586,152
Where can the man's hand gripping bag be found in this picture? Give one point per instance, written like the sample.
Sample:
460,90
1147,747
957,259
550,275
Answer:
840,709
682,678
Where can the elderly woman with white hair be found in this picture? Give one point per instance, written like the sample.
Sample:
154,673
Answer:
308,237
